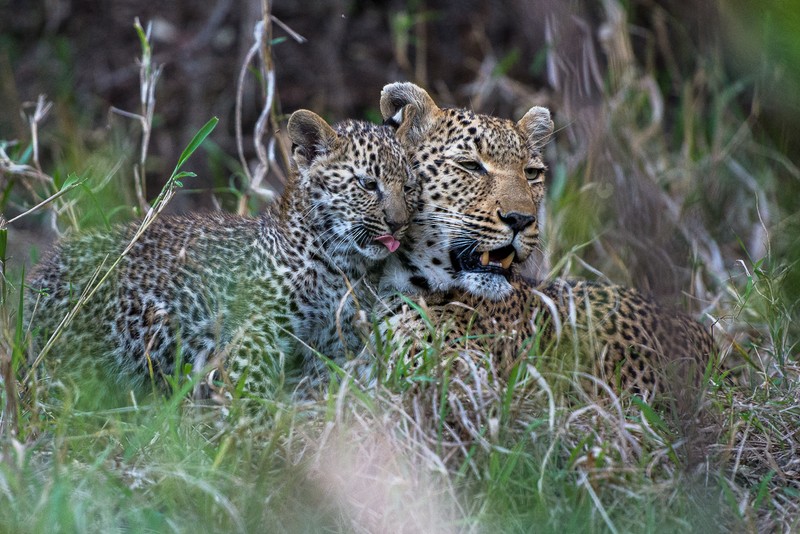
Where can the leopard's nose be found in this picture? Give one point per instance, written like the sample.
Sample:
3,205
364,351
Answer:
516,221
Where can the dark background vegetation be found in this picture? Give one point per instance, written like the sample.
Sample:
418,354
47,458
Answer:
740,57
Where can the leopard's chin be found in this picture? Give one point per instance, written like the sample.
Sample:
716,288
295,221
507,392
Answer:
374,251
376,248
487,285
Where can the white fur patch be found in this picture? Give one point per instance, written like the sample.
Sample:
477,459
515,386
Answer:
491,286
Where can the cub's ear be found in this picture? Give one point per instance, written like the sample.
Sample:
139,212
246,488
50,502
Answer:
410,109
536,126
311,137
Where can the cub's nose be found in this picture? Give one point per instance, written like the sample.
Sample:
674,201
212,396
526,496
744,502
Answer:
394,226
516,221
396,215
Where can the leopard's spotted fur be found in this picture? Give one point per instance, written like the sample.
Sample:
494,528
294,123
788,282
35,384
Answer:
221,285
466,213
481,180
612,332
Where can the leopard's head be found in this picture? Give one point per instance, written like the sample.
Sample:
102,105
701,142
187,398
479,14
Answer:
481,180
357,183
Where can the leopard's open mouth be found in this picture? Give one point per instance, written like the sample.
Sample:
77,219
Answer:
496,261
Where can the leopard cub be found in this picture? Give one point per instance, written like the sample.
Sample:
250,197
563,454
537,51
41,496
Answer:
220,287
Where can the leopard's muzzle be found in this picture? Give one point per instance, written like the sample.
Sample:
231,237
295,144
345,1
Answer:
497,261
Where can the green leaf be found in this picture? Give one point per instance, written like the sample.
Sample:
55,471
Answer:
142,38
196,141
748,290
730,498
72,180
18,355
763,489
183,174
791,492
3,245
506,63
3,259
559,181
26,156
6,193
99,205
649,413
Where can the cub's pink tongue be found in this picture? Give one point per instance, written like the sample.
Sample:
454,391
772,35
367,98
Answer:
389,242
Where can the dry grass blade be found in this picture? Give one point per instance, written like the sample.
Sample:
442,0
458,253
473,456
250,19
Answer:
267,121
91,287
40,112
42,204
149,73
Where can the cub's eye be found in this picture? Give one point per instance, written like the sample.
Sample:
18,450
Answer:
409,188
368,183
471,165
533,173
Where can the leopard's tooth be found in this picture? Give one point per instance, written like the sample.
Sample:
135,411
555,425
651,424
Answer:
485,258
506,262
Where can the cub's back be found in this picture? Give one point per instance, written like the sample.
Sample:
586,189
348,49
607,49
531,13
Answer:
183,267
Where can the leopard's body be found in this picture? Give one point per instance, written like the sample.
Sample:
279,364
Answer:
608,331
242,289
482,181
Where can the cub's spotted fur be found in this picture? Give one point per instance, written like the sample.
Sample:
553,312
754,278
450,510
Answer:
223,286
482,181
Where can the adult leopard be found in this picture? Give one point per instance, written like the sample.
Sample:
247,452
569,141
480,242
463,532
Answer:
216,285
482,181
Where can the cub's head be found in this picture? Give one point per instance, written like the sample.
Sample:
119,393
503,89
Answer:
481,180
358,187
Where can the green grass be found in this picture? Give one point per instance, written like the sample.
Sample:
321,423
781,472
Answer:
164,463
541,456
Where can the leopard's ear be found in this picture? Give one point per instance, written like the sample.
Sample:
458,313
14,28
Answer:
410,109
311,137
537,126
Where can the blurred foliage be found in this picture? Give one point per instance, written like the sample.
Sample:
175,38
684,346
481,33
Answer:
765,43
